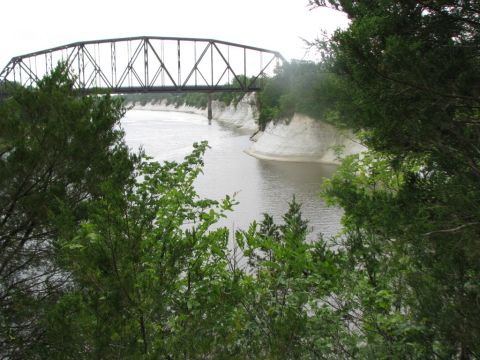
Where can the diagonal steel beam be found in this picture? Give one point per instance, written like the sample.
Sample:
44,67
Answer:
129,65
221,77
162,64
31,75
98,70
8,69
195,67
261,72
228,64
71,60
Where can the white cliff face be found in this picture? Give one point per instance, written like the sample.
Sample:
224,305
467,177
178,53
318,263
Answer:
243,115
304,139
163,106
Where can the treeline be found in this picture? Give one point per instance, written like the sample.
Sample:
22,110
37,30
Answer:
297,87
198,100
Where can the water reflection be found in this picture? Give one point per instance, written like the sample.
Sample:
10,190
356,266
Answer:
283,180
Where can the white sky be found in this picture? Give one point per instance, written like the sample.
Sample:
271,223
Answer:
31,25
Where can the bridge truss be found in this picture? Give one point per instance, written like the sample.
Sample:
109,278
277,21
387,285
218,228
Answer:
150,64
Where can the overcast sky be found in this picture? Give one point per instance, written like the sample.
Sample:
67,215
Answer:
31,25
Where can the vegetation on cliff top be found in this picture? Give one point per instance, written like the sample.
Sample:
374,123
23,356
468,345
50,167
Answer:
298,86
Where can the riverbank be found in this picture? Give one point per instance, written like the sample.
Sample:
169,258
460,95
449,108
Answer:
302,139
242,116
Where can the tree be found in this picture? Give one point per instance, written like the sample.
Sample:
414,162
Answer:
297,87
407,80
149,277
56,149
281,296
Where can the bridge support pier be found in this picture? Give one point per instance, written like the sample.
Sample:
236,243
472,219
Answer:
209,110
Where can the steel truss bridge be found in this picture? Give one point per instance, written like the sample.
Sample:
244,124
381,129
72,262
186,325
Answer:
150,64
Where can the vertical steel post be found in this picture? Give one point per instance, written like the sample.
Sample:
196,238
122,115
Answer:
162,55
211,60
195,55
178,59
95,78
30,68
82,49
245,68
81,68
113,64
228,59
129,65
145,58
99,65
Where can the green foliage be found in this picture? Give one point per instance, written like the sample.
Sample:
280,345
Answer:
401,231
297,87
56,148
149,273
7,87
411,203
289,283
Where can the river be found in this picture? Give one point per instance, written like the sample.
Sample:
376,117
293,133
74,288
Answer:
260,185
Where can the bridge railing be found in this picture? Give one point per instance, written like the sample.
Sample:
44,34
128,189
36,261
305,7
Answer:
150,64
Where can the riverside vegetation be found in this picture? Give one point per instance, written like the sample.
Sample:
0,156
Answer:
107,254
296,87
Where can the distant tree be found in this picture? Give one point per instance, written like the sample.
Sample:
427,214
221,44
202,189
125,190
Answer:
297,87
